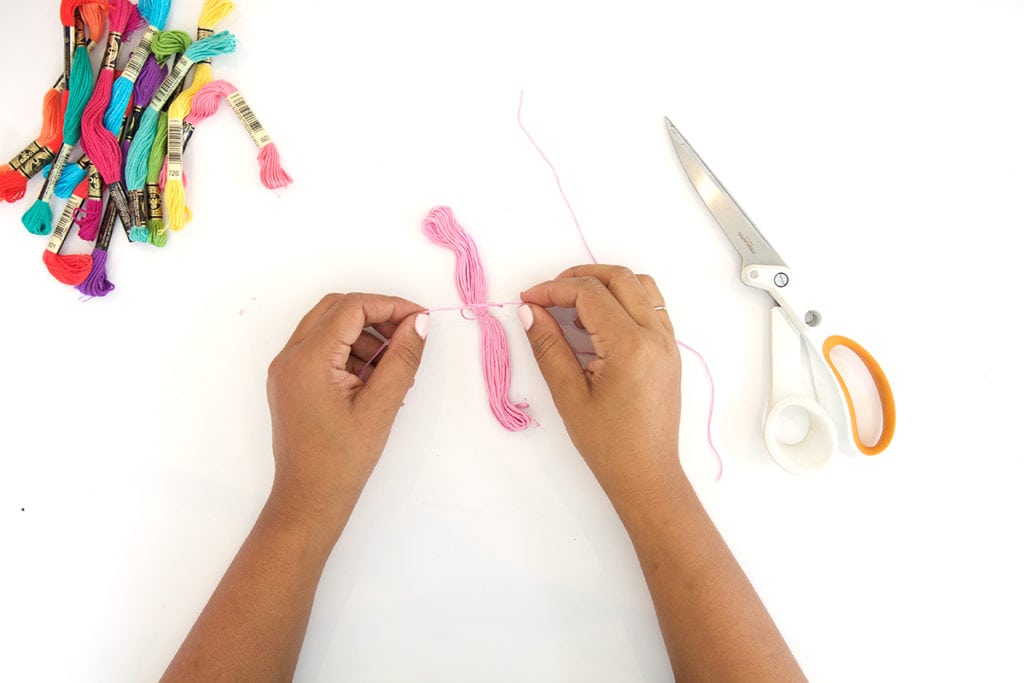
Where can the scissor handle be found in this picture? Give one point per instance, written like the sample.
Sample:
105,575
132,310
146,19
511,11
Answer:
881,383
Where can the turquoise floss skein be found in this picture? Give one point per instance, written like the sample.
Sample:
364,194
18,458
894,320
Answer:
39,217
155,12
137,163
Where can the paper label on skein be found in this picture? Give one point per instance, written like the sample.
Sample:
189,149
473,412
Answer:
106,227
80,39
95,184
131,126
67,219
138,58
32,159
120,202
58,167
204,33
249,120
138,206
174,146
154,202
172,81
113,50
83,162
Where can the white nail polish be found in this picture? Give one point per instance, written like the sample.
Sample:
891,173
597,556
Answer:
526,316
422,325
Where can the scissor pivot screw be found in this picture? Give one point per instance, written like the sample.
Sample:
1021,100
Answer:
781,279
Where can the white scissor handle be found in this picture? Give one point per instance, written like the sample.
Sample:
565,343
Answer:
799,434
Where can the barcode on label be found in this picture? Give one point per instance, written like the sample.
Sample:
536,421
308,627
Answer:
138,58
174,149
60,232
249,120
172,81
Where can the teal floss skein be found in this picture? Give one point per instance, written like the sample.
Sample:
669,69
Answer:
138,154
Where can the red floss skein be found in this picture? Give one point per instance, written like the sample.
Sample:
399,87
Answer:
71,270
28,162
205,104
442,229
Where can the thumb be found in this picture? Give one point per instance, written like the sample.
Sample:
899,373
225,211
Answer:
557,361
396,369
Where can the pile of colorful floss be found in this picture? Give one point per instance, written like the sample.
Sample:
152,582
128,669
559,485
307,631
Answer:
113,137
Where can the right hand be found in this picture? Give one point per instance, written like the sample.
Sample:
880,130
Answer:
622,410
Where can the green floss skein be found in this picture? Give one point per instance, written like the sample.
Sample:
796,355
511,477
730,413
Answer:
39,218
157,230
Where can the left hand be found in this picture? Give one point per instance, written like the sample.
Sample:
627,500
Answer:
329,425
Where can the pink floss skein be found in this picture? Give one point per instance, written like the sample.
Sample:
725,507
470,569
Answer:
204,105
442,229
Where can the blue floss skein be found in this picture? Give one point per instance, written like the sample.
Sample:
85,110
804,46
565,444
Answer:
71,177
39,218
155,12
137,163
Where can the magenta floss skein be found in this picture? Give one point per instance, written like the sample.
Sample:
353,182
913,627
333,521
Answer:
87,218
98,142
442,229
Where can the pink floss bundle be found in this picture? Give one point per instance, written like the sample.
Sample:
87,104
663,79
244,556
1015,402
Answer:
204,105
442,229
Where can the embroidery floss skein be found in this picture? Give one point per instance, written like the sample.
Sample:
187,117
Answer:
442,229
154,203
39,217
155,12
205,105
73,269
27,163
98,142
137,163
96,283
178,214
88,217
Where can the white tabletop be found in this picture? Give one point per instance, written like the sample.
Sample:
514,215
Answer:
877,144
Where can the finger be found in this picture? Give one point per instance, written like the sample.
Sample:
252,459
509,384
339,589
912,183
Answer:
624,286
557,361
312,318
386,328
366,346
397,366
656,297
339,328
601,313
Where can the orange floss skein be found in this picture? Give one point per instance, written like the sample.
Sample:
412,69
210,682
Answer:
14,175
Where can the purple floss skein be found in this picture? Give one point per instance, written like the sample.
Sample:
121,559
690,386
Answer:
146,85
96,283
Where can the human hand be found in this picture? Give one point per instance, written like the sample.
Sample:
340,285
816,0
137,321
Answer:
622,410
329,425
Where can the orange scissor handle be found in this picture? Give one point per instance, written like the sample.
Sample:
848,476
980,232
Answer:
881,386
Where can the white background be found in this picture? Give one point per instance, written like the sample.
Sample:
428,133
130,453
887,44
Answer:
877,144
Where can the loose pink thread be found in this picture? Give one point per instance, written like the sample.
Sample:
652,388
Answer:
442,229
558,182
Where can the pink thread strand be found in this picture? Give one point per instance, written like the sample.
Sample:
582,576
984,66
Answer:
558,182
442,229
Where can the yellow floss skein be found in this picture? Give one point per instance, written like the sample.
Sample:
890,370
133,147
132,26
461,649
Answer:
176,212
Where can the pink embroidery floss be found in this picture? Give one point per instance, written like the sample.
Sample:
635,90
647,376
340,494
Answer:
579,229
442,229
205,104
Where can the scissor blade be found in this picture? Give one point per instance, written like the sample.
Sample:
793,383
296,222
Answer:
740,231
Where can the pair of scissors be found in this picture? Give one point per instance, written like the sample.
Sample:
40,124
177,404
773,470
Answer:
803,427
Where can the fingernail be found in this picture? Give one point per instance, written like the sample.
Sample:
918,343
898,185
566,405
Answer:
422,325
526,316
